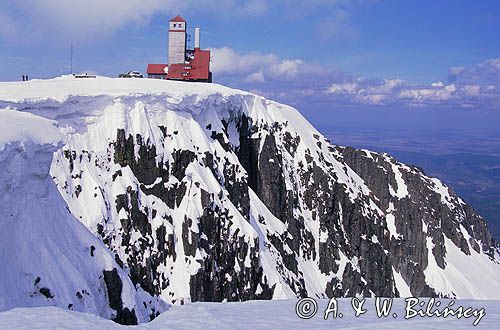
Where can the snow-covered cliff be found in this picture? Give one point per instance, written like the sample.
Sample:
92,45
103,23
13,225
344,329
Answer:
202,192
47,257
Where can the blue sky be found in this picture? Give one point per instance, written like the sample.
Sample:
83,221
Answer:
359,55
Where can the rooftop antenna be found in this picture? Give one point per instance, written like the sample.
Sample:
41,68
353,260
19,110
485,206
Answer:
196,37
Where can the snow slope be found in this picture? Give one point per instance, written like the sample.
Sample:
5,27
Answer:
47,257
207,193
26,128
279,314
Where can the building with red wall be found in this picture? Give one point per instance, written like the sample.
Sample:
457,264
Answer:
183,64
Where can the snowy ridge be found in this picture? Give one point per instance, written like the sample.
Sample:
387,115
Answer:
205,193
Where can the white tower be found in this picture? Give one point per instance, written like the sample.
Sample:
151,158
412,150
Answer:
177,40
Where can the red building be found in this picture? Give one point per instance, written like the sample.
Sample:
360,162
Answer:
183,64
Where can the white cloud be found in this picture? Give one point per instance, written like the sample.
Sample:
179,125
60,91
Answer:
427,95
472,90
286,68
456,69
294,80
81,19
255,66
226,60
367,92
84,19
387,86
485,73
467,89
347,87
256,77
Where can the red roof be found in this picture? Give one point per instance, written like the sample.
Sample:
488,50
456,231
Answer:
178,18
156,68
197,69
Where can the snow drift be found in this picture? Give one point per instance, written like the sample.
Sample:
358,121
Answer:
47,257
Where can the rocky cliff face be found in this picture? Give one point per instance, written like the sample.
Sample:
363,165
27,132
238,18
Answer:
424,218
213,194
